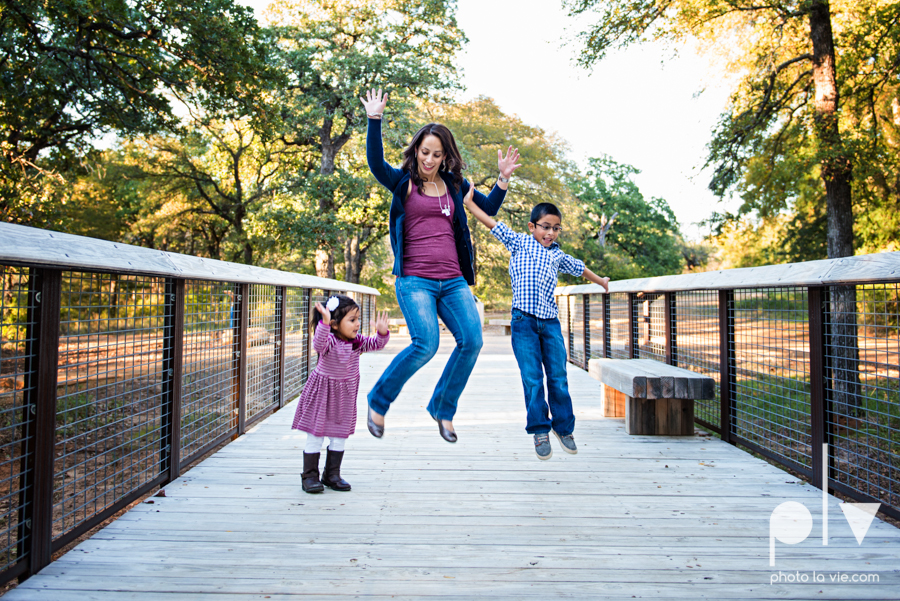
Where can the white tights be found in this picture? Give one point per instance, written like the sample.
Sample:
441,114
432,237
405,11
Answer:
314,443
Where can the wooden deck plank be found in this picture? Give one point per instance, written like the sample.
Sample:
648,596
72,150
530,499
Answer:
628,516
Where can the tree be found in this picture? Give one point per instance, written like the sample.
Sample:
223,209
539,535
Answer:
790,90
332,51
644,239
212,187
73,71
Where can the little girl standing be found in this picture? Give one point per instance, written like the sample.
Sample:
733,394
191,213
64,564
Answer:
327,405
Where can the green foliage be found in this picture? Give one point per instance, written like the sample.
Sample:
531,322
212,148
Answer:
74,70
773,147
644,239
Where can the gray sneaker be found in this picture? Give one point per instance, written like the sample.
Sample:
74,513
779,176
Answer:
542,446
567,443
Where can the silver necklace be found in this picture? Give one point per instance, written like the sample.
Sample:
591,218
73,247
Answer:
444,209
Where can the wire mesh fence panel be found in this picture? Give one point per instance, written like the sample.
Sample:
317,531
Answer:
208,394
576,329
262,352
562,304
618,326
17,361
651,326
771,390
596,330
863,387
109,426
368,316
696,347
297,322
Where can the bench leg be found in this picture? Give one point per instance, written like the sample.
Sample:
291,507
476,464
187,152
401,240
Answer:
612,402
507,330
659,417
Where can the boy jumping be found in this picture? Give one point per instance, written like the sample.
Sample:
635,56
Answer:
537,340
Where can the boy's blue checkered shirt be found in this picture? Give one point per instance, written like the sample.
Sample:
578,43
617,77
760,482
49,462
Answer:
533,270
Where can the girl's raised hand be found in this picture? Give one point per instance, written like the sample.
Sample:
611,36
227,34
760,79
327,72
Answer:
374,102
326,314
507,164
381,323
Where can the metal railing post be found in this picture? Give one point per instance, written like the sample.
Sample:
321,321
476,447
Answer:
307,332
173,360
42,403
586,314
632,327
243,326
817,299
280,350
726,361
606,319
670,328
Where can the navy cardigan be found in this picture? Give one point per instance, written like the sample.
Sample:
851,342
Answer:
397,181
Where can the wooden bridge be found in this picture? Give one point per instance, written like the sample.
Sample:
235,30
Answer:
627,517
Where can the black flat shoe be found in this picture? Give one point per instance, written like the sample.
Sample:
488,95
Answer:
374,429
448,435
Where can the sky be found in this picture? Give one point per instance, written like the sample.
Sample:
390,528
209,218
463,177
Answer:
633,106
640,106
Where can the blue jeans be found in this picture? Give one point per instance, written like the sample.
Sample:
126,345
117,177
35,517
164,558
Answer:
538,342
422,300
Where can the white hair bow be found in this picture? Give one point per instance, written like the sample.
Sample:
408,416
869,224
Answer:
332,303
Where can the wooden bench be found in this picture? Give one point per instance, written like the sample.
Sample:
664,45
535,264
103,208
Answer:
653,397
507,325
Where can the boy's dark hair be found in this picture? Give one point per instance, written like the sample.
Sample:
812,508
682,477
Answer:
543,209
345,305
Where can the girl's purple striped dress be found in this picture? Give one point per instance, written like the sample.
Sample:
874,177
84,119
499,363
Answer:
327,404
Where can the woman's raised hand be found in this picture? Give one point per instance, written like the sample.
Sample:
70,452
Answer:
374,102
381,323
507,164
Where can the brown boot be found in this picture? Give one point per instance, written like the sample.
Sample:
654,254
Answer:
311,482
331,476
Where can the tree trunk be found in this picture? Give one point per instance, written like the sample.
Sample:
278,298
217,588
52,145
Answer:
352,259
837,173
836,167
324,263
325,254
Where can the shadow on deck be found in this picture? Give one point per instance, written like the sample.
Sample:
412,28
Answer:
627,517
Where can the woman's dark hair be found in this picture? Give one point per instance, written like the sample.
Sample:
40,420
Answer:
451,163
543,209
345,305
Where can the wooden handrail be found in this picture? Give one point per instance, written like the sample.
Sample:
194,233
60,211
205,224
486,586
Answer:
33,247
861,269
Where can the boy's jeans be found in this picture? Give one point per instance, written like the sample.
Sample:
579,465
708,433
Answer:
537,341
422,300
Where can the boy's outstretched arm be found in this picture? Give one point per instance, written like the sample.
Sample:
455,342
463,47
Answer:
477,211
596,278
